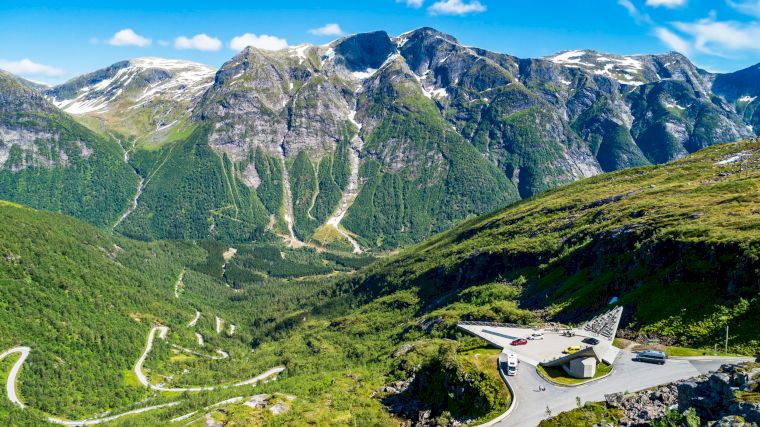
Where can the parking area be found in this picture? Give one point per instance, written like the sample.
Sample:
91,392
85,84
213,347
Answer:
536,351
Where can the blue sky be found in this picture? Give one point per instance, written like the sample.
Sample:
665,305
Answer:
54,40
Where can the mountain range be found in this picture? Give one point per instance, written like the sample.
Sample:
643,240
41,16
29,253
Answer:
370,142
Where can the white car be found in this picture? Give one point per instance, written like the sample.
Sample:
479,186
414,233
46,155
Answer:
536,336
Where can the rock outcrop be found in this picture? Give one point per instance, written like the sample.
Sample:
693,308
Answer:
729,397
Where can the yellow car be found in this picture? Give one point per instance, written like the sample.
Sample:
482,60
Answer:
573,349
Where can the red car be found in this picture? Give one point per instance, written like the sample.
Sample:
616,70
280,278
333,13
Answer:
519,341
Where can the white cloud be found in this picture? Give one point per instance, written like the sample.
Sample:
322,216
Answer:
127,37
27,67
670,4
640,18
198,42
412,3
673,40
721,37
456,7
331,29
748,7
263,41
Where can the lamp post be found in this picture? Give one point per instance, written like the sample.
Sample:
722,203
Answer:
726,351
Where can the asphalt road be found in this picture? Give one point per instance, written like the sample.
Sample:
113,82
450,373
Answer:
161,331
10,385
628,376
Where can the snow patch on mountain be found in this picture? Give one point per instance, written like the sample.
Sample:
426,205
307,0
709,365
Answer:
176,80
624,69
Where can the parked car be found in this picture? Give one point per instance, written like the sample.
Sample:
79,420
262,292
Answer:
572,349
536,336
651,356
591,340
519,341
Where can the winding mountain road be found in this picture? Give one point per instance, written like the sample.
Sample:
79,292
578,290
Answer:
10,388
162,332
194,320
10,385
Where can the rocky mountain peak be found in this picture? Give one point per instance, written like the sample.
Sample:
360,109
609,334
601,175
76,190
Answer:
362,51
424,34
16,97
137,81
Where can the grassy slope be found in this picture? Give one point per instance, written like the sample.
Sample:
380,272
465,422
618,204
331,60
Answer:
677,243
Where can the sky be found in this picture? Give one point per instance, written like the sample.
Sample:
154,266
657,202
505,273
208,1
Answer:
52,41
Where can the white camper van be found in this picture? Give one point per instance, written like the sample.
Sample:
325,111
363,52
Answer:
512,364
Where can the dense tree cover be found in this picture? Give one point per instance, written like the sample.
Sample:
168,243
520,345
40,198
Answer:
196,193
304,188
82,300
341,169
329,191
83,173
316,189
270,189
85,300
424,177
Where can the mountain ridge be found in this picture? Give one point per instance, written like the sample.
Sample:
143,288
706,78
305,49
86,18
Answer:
524,125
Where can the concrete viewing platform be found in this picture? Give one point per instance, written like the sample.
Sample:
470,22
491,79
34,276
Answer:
593,340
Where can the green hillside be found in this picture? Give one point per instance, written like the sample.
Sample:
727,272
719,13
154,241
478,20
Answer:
678,244
57,164
84,301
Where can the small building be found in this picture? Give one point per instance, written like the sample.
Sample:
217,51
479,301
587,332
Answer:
578,365
581,368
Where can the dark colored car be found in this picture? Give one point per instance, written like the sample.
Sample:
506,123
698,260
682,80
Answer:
519,341
592,341
651,356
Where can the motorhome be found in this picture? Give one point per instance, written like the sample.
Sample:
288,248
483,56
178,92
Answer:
512,363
